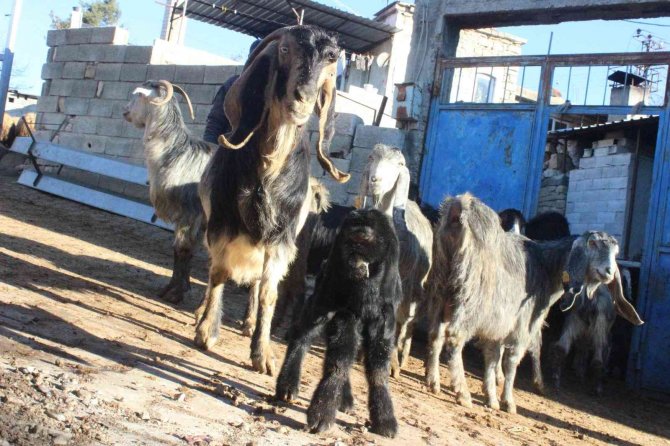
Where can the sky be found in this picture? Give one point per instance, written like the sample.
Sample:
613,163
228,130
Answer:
143,19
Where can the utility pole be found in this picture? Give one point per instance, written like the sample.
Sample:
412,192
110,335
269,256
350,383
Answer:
8,56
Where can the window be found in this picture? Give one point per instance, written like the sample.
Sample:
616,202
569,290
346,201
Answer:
484,88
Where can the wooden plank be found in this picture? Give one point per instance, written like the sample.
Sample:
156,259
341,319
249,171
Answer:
94,198
82,160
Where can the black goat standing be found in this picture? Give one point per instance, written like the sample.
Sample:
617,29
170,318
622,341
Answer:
356,296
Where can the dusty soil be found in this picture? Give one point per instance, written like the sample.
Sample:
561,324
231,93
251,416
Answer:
88,355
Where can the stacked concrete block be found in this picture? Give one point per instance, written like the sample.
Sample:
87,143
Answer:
598,193
89,76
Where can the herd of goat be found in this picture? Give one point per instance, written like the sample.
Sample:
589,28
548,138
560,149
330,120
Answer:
378,266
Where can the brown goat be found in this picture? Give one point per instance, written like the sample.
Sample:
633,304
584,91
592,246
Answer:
254,191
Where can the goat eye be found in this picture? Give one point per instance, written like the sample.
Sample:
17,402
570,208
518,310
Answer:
283,49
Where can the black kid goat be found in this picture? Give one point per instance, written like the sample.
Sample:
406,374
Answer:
356,296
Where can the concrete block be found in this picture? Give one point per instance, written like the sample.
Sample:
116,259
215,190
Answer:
52,70
51,119
111,53
76,36
73,70
369,136
47,104
157,72
587,163
601,151
619,142
338,192
71,140
138,54
616,183
341,144
108,71
118,90
110,34
617,171
66,53
75,106
134,72
616,205
121,147
101,107
89,71
94,143
621,159
201,112
189,74
84,88
46,86
354,183
110,127
201,94
84,124
606,217
56,37
346,123
219,74
359,158
118,108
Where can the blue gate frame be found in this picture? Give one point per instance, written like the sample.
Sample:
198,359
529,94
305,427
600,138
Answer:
649,359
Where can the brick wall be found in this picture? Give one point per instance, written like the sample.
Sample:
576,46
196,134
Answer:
90,74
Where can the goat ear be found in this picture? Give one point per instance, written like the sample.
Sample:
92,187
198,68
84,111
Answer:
623,308
401,188
248,100
326,111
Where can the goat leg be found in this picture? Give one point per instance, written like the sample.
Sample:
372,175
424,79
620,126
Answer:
179,285
492,357
341,347
437,334
252,310
535,351
456,343
378,339
208,315
510,365
347,401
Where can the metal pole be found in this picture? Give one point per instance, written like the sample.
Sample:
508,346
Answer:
8,56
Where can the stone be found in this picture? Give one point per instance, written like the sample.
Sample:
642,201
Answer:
369,136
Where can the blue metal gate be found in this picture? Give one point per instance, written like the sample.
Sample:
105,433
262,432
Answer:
490,141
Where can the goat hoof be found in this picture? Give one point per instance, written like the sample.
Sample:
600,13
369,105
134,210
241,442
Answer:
387,427
264,362
248,328
320,426
494,404
395,371
347,405
465,401
174,295
204,340
539,388
509,407
433,385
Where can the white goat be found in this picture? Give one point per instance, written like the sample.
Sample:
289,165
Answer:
386,178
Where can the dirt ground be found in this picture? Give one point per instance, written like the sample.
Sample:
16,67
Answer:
88,355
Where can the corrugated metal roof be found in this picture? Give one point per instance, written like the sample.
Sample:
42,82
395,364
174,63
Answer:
604,127
259,18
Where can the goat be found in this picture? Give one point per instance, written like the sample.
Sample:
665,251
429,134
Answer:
175,161
545,226
254,190
498,287
512,220
356,296
587,325
386,179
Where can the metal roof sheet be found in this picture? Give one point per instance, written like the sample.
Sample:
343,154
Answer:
259,18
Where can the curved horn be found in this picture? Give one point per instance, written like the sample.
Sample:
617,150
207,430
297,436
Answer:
181,91
168,93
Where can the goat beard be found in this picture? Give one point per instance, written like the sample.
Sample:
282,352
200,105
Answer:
360,268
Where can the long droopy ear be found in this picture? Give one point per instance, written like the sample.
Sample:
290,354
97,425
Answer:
622,306
359,203
326,109
401,188
248,100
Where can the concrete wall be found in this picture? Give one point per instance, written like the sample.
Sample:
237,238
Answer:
90,74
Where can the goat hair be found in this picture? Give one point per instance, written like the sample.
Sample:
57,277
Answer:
498,287
356,296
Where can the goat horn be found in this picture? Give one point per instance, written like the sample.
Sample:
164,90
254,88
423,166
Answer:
169,91
181,91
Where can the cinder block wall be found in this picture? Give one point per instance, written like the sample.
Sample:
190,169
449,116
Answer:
90,74
598,192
